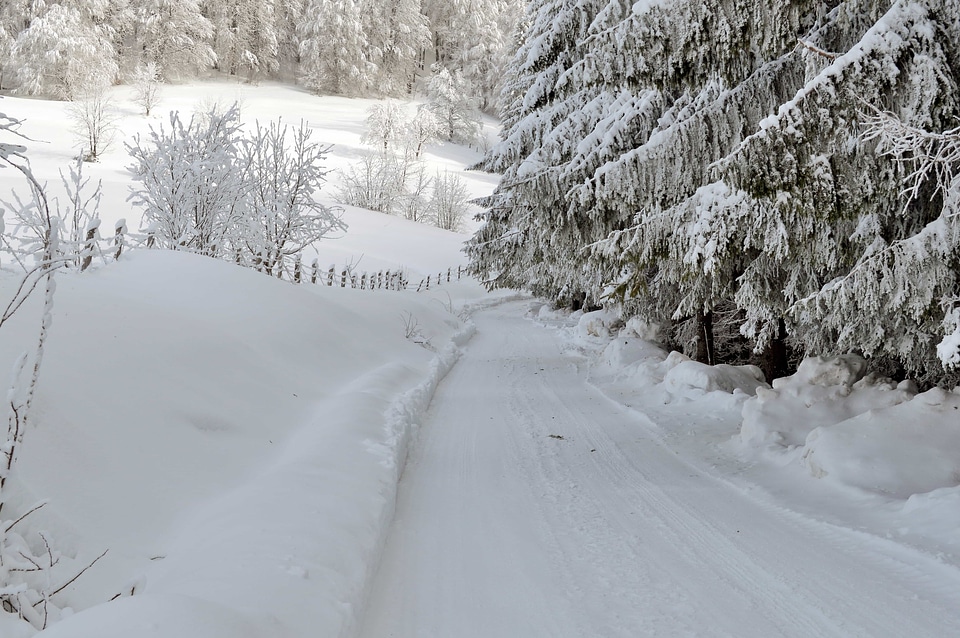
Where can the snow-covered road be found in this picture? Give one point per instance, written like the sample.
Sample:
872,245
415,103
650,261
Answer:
534,506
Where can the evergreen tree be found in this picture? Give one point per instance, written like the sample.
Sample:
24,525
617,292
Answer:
398,34
721,159
63,52
548,111
174,35
469,37
335,56
244,36
288,15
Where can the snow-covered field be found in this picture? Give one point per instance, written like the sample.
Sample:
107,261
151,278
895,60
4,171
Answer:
235,443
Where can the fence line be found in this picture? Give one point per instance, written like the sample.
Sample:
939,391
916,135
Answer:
111,248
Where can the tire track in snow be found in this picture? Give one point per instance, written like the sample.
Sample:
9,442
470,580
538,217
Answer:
503,531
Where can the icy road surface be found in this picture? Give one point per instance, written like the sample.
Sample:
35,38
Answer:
503,530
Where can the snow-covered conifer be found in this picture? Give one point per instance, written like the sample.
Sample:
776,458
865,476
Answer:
334,52
450,100
62,53
174,35
470,37
725,159
244,37
287,17
398,34
512,248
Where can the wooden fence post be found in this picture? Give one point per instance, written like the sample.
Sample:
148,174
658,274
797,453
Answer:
90,244
119,231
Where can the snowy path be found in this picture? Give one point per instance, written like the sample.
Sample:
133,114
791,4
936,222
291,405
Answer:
502,531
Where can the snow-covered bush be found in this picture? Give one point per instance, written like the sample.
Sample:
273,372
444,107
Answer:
208,188
376,182
393,178
284,172
449,203
190,183
28,561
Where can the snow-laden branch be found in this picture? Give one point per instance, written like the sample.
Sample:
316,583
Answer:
928,154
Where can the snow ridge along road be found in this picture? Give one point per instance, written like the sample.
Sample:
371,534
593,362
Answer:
534,506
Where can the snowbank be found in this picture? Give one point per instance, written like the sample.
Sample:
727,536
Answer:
234,441
597,324
687,375
909,448
632,362
824,391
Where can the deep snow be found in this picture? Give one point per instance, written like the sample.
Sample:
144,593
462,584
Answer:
236,443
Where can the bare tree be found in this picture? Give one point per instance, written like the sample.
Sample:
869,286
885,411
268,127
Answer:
147,87
95,122
448,206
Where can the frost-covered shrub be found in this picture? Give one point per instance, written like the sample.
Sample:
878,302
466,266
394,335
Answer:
94,121
283,171
449,201
376,182
393,178
190,184
147,86
28,561
207,187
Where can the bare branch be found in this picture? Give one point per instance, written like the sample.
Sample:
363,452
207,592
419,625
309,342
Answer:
28,513
812,47
77,575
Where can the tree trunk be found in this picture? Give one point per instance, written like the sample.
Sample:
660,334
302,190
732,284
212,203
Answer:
705,353
577,301
774,361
